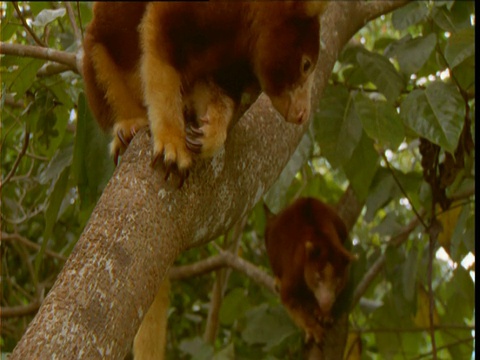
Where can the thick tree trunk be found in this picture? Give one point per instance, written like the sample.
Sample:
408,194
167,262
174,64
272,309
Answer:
141,222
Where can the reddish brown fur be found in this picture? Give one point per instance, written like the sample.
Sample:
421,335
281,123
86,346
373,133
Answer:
143,62
305,247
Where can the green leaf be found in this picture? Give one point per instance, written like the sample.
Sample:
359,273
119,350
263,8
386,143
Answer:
92,164
382,73
23,77
7,27
57,193
51,124
465,74
227,353
269,326
460,46
337,126
275,198
461,296
197,348
46,16
57,165
435,113
463,237
412,54
380,121
410,274
456,18
382,191
233,306
410,14
361,167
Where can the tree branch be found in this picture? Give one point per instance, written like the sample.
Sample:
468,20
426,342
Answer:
18,311
31,244
38,52
224,259
20,155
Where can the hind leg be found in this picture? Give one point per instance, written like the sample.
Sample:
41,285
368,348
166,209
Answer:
122,89
214,111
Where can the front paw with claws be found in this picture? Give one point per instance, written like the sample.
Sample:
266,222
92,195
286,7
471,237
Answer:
171,151
123,133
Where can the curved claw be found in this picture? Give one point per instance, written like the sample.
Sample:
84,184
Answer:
194,145
122,138
170,167
115,157
183,175
193,131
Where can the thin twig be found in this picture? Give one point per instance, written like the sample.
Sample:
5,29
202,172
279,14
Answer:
18,311
26,26
380,262
73,22
17,160
397,181
452,344
31,244
443,327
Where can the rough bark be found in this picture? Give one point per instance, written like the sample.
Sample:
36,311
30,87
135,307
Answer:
142,223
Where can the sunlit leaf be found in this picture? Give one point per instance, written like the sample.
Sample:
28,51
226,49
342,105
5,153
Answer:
422,316
448,219
353,349
46,16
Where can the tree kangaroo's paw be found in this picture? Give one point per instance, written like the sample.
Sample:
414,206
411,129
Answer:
325,321
316,333
208,138
170,149
123,133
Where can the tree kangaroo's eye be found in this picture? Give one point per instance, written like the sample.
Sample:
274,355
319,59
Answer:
306,65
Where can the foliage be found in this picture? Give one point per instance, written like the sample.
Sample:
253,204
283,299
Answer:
395,124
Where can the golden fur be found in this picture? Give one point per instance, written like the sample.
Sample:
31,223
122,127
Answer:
154,63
